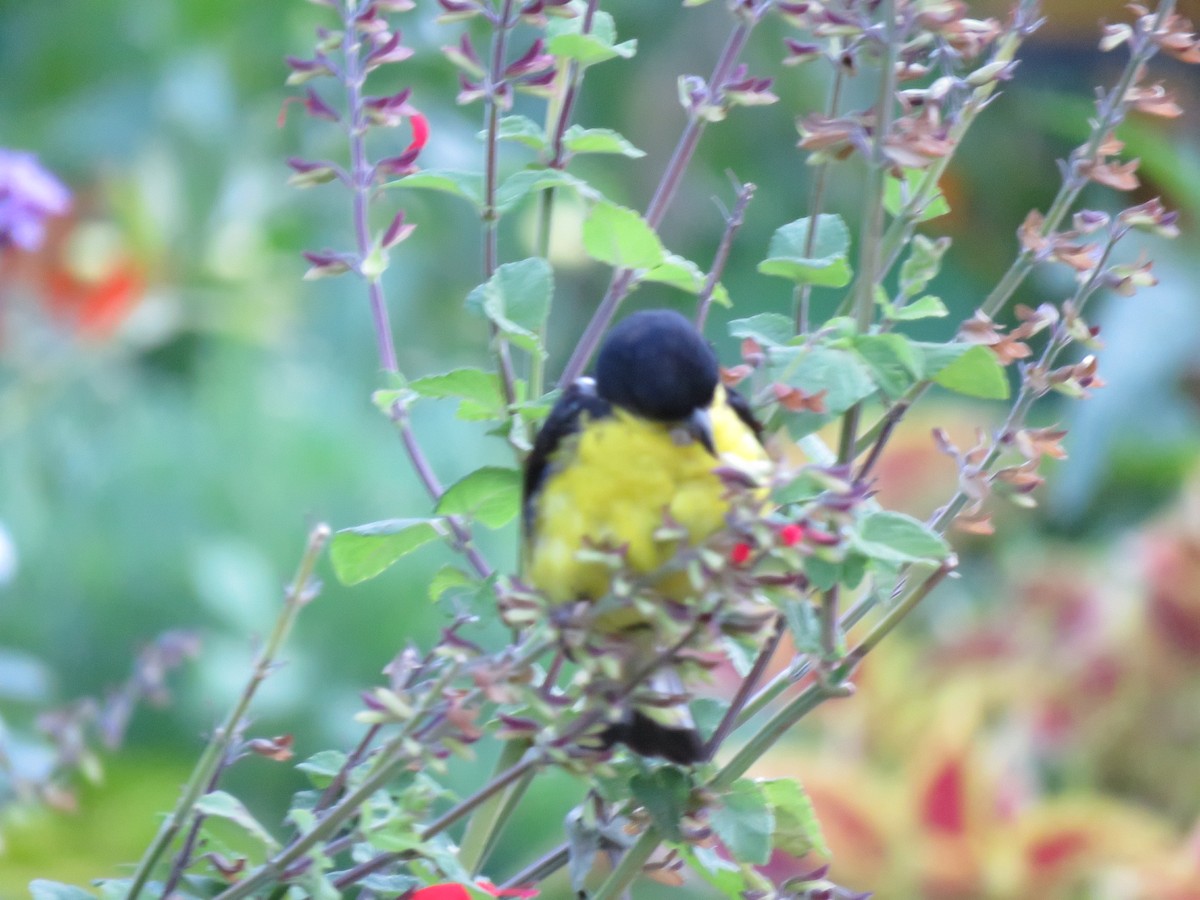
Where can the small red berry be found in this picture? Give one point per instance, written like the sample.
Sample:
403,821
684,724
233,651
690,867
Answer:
740,555
792,534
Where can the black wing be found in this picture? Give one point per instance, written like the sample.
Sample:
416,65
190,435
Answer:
741,406
564,420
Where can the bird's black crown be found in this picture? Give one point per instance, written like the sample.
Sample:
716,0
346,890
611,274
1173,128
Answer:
656,364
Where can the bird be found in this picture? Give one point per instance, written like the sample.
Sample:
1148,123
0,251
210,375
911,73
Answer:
620,454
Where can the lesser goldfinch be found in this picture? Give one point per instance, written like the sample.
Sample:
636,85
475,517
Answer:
617,457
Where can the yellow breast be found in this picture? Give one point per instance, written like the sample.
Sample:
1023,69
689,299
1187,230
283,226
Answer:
612,485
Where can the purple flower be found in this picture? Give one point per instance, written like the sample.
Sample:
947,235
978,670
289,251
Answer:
28,196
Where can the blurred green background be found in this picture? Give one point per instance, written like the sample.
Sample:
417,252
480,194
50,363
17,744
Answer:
177,407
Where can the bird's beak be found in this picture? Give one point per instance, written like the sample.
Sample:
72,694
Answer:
699,426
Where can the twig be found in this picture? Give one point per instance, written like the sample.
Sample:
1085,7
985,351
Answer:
361,179
885,428
503,24
869,270
733,222
302,590
816,202
622,279
1111,113
749,683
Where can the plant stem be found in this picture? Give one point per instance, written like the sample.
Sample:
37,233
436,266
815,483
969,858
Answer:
490,817
900,231
733,222
558,118
1028,394
829,628
664,194
869,271
766,737
392,758
361,178
433,486
1111,113
301,591
749,683
503,25
542,868
817,200
362,175
630,865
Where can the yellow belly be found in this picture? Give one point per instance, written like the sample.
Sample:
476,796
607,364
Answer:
613,484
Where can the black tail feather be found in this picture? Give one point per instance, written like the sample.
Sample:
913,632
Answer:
646,737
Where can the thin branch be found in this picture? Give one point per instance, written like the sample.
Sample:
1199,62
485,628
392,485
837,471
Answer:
301,592
869,271
749,683
664,194
503,25
361,178
817,200
1111,113
733,222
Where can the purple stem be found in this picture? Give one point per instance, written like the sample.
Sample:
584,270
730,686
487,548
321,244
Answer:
362,175
734,222
622,279
491,166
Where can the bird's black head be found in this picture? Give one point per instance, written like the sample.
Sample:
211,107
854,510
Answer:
656,364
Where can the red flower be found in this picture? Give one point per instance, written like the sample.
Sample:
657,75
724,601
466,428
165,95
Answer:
420,131
442,892
791,534
451,891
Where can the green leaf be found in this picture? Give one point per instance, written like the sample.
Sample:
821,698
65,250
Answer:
41,889
927,307
315,884
841,373
479,392
385,398
565,40
519,185
803,621
362,552
894,363
583,843
797,830
825,266
491,495
768,329
707,713
685,275
578,139
743,821
522,130
321,768
449,578
517,300
390,885
937,356
620,237
924,261
896,538
976,373
727,877
468,185
664,792
822,573
897,191
221,805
